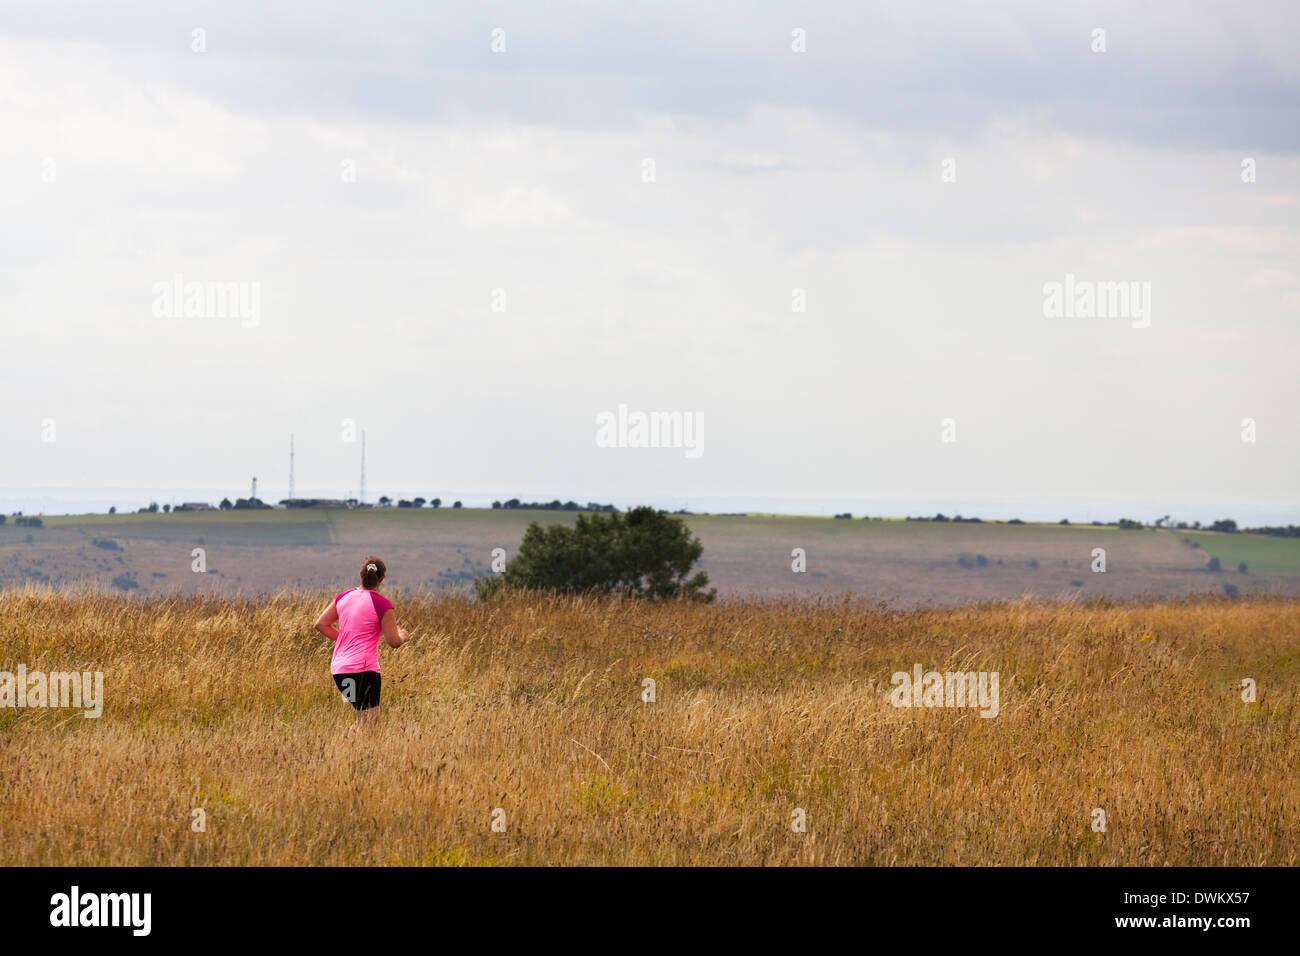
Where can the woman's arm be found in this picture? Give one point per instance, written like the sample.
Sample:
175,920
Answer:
325,623
394,635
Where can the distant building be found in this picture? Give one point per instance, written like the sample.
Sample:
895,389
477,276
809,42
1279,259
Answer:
313,503
193,506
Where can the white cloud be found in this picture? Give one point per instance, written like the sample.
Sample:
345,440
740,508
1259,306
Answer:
923,297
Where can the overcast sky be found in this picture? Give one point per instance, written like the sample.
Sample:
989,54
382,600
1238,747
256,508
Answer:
381,179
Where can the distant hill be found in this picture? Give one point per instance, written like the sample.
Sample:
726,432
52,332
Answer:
905,562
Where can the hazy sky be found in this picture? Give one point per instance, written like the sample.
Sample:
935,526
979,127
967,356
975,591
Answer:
517,179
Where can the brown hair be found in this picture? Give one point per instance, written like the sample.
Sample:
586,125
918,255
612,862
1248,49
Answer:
372,572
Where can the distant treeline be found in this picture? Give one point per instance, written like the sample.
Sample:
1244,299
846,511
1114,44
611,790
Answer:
243,504
1275,531
1226,525
239,504
556,505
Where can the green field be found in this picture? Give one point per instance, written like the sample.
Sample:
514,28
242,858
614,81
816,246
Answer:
1260,552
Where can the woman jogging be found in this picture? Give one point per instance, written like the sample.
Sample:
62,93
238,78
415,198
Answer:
363,615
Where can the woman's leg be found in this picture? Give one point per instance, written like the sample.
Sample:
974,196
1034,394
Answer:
368,709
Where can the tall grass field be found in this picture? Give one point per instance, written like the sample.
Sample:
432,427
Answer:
521,733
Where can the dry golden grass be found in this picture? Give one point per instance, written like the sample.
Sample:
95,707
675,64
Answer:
534,706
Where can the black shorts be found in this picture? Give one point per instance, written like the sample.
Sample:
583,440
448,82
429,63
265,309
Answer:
360,690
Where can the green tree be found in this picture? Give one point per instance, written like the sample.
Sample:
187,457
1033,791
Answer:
643,553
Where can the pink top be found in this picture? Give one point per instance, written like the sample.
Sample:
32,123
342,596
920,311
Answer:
360,613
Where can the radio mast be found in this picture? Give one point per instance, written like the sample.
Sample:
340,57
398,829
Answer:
361,496
290,467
